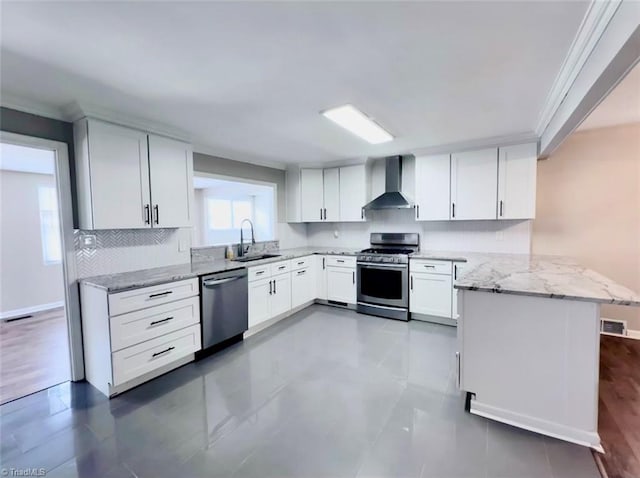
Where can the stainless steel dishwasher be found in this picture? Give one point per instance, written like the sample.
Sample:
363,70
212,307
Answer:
224,308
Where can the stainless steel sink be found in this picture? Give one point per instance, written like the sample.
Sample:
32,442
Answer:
256,258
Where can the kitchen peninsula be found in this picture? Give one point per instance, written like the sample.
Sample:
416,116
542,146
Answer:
528,341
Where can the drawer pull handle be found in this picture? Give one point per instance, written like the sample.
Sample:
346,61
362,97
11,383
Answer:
162,352
259,273
301,272
430,267
339,260
281,267
163,321
161,294
300,263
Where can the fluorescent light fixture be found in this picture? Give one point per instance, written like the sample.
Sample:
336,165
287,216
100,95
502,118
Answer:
354,120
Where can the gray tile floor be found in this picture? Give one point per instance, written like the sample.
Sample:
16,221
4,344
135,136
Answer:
326,392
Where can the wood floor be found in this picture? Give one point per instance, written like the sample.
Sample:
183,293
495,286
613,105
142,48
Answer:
34,354
619,409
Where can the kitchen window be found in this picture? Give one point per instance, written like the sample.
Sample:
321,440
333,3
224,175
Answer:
49,225
225,214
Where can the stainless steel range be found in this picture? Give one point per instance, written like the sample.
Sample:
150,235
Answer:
383,275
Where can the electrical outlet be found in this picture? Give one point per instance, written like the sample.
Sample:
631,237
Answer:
88,241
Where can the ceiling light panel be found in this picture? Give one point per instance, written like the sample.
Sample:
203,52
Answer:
355,121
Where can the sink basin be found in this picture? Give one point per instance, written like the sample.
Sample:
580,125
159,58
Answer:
256,258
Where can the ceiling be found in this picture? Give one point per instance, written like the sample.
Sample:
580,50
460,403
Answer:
26,160
622,106
247,81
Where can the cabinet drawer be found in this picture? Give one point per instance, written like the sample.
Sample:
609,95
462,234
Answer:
432,267
143,358
123,302
135,327
341,261
301,262
280,267
259,272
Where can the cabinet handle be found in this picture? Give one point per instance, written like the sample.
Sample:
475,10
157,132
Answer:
321,214
163,321
323,263
455,272
274,287
361,213
301,272
411,286
162,352
160,294
339,260
300,263
418,211
270,287
500,207
354,277
147,212
259,273
325,213
430,267
157,211
453,209
281,267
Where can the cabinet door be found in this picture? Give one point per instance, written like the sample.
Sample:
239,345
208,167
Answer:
311,195
331,190
303,287
321,277
432,190
353,193
517,167
341,284
457,269
171,172
260,293
119,176
430,294
281,298
474,184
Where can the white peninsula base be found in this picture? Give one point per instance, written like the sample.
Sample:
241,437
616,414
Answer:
532,362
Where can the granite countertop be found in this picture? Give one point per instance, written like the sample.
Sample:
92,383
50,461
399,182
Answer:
542,276
160,275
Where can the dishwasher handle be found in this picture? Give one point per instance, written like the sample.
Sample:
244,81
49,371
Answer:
216,282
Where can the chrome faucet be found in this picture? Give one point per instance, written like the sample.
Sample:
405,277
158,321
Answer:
253,239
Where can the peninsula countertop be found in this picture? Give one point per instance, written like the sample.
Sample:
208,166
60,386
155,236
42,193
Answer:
555,277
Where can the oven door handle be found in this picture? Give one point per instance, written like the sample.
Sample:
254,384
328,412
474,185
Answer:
368,265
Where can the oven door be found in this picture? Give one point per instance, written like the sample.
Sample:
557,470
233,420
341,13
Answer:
383,284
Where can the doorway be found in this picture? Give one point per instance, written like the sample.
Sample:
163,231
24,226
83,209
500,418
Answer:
37,301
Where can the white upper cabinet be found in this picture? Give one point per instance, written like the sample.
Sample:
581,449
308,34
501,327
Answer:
171,174
122,184
311,195
432,187
113,176
474,184
353,193
517,167
331,195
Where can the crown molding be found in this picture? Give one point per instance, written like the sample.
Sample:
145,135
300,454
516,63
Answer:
77,110
593,25
480,143
26,105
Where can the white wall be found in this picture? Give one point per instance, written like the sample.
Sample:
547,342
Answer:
472,236
25,281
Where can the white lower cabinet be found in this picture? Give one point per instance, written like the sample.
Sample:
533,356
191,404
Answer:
321,277
269,291
133,336
303,286
430,289
430,294
341,284
260,292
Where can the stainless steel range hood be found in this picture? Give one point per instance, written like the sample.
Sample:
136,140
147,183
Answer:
392,198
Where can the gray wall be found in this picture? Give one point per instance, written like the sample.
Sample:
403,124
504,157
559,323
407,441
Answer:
227,167
19,122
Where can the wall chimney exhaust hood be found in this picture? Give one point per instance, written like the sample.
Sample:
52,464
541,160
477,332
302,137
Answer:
392,198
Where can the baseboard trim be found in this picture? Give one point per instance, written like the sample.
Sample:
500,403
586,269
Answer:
433,319
30,310
562,432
